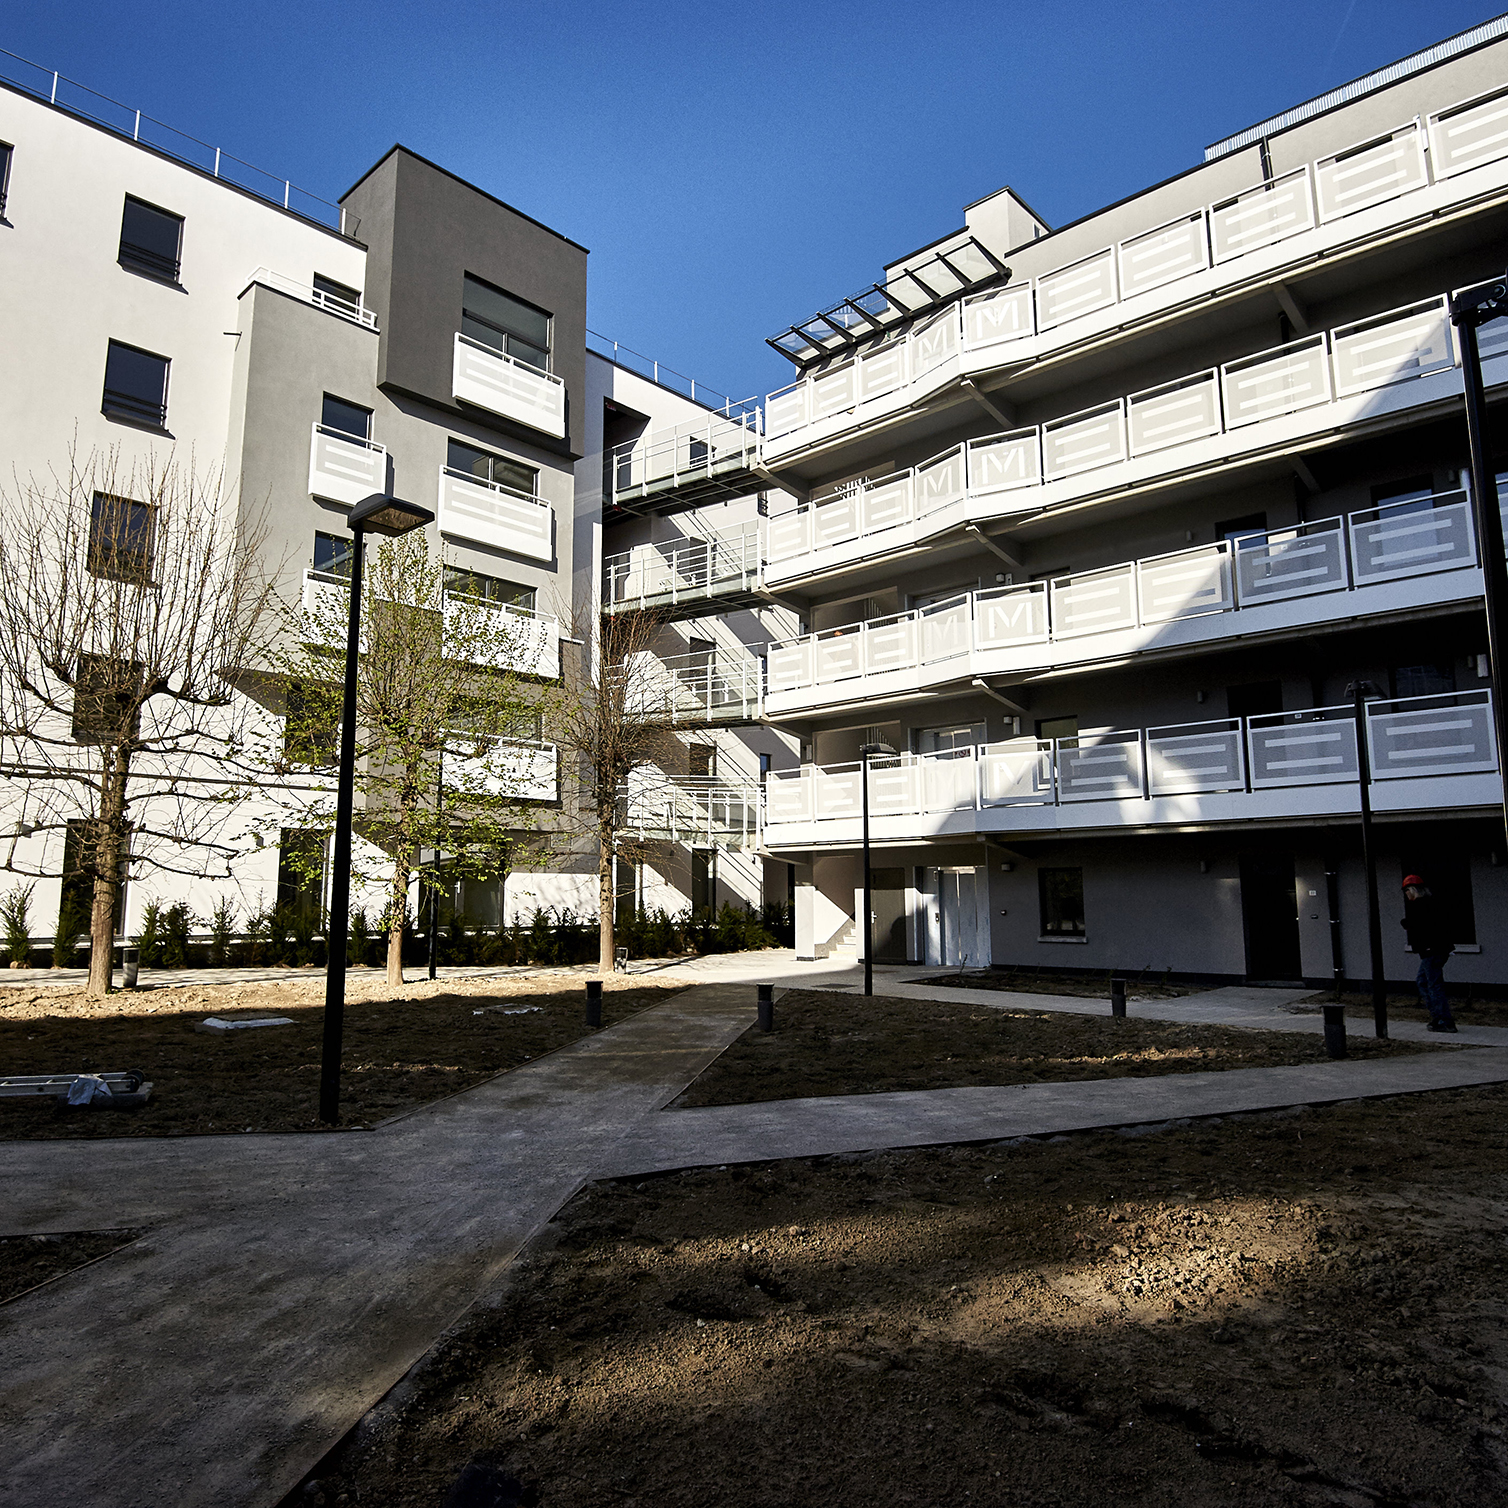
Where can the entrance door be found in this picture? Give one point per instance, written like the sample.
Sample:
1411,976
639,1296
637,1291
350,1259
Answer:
1270,915
887,896
951,925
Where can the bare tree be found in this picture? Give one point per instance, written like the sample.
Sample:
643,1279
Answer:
615,719
129,600
451,686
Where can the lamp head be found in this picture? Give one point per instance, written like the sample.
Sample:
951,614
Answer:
867,749
381,514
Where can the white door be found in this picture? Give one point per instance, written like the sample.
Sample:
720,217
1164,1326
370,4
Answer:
951,918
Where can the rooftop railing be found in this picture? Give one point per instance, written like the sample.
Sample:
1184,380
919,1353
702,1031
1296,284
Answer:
1388,542
1389,166
667,377
126,121
1407,739
357,312
1322,369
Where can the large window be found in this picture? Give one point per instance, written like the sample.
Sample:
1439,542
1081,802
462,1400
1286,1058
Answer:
106,700
1061,896
489,588
136,385
5,156
151,240
505,323
491,468
120,539
332,554
347,418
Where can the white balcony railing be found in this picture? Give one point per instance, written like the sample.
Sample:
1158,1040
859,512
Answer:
356,312
698,688
1151,770
520,639
686,809
958,637
1394,166
344,467
525,768
514,389
698,450
471,507
690,570
1331,374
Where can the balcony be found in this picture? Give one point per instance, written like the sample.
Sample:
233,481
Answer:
703,460
1339,205
357,312
517,638
688,578
526,769
691,809
345,468
470,507
1292,398
1431,753
501,385
698,689
1392,558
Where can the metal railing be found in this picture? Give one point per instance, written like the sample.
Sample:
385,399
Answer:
477,508
1389,166
526,768
698,688
1407,738
693,809
357,313
1387,542
124,120
655,575
1323,369
343,466
698,449
502,384
667,377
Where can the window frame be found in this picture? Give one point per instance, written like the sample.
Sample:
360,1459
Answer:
128,406
358,408
334,571
117,564
97,733
137,258
491,323
457,578
7,157
334,292
492,457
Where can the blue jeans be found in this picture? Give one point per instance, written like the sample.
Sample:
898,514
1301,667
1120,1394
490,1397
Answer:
1431,982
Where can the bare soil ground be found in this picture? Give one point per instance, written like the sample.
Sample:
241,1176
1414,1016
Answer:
402,1048
1297,1309
1407,1007
1032,982
28,1261
826,1042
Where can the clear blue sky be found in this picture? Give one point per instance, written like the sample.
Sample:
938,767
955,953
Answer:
732,167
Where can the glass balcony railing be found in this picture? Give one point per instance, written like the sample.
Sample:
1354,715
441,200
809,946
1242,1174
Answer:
1329,376
1397,165
1155,771
966,634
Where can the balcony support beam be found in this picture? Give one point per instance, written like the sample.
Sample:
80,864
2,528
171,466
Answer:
1015,708
995,549
1306,477
1002,412
1291,307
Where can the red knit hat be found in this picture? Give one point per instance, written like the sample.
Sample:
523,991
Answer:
1412,879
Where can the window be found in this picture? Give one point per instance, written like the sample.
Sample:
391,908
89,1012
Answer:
106,700
1437,678
1418,491
491,468
311,730
136,385
336,296
1061,896
1242,532
941,740
348,418
1256,699
703,880
332,554
5,156
120,539
488,588
301,874
505,323
1058,727
701,759
764,769
150,240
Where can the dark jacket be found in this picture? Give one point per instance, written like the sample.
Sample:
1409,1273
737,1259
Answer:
1428,928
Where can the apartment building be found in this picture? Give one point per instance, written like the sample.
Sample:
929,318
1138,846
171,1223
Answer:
418,337
1098,527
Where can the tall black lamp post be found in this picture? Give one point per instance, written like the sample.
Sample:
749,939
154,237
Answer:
377,514
865,750
1469,309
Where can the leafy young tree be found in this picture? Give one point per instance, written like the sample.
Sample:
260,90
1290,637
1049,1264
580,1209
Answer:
130,597
449,698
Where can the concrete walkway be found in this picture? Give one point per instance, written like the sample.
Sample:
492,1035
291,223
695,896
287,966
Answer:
287,1282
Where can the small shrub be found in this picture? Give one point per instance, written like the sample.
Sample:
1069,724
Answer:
358,938
279,926
222,927
303,924
258,929
15,919
150,940
175,925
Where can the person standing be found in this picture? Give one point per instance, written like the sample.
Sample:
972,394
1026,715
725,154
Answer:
1429,935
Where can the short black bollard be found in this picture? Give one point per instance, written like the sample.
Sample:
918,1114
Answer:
1335,1030
130,966
594,1004
767,1007
1117,997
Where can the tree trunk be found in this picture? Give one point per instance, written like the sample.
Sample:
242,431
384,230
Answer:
605,906
108,839
397,913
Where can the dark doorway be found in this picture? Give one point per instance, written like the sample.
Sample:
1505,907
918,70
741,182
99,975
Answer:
1255,699
703,880
887,890
1270,916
